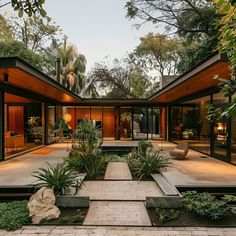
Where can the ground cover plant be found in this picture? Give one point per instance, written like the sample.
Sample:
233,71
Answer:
199,209
13,215
205,204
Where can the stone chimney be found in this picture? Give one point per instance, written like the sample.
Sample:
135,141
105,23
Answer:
166,79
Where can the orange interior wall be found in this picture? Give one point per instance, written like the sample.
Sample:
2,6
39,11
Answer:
96,114
108,122
163,122
16,119
82,113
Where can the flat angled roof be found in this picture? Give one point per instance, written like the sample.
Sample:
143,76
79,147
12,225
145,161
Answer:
26,77
196,79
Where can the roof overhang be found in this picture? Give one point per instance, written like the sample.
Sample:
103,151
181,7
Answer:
23,76
195,80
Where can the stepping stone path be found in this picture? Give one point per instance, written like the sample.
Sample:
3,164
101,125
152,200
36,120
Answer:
118,201
118,171
117,213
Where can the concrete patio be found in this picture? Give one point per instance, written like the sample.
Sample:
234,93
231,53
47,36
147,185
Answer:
198,169
193,171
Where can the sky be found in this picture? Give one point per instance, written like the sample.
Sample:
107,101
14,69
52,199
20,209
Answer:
98,28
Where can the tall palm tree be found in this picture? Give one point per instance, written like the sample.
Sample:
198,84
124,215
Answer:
73,66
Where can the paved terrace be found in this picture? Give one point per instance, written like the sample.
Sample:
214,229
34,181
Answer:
118,231
197,171
193,171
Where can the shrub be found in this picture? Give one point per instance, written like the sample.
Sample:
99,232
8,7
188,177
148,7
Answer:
87,159
151,163
204,204
143,147
86,131
58,177
13,215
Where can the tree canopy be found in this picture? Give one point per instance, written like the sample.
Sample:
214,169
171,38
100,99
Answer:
157,52
121,80
192,21
29,7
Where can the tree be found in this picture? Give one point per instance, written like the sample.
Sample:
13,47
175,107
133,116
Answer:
157,52
181,16
35,32
192,21
227,45
15,48
73,66
6,33
120,80
30,7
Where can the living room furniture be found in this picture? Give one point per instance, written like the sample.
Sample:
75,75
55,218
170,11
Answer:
181,151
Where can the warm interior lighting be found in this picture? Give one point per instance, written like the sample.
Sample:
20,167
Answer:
5,78
67,117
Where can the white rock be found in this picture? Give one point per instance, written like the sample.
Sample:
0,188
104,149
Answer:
42,206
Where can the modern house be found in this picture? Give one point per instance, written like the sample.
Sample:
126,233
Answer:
30,102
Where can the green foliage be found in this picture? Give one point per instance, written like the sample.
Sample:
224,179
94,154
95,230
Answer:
6,33
29,7
159,52
145,165
213,114
86,131
226,24
121,79
58,177
166,215
204,204
13,215
143,147
87,158
16,48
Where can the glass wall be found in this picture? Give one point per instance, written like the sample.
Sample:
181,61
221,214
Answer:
233,136
121,123
125,124
140,123
189,123
23,124
220,128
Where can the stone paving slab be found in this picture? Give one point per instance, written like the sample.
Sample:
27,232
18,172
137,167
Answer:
119,231
118,171
120,190
117,213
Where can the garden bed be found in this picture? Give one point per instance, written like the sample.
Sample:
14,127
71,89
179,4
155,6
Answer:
187,218
69,216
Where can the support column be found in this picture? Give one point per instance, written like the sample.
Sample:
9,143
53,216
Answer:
2,131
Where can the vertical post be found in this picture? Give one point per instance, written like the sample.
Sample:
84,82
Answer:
45,123
2,133
58,69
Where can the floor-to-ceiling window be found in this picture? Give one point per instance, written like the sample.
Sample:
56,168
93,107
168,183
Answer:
220,128
125,123
140,123
23,124
233,136
189,122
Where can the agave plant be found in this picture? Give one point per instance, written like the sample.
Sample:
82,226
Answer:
58,177
151,163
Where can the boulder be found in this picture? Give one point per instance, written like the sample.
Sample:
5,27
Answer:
42,206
